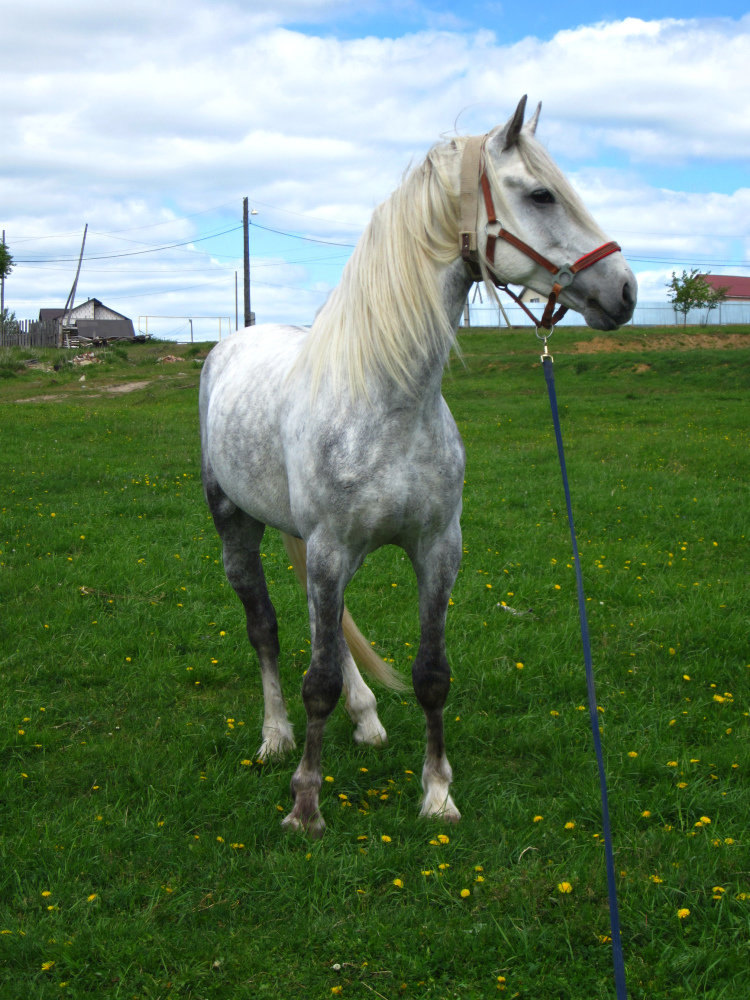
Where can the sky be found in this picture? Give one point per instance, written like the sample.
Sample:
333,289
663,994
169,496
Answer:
151,122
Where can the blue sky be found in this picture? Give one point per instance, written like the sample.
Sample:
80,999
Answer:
168,115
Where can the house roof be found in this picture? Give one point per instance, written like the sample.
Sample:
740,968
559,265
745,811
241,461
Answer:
737,287
56,312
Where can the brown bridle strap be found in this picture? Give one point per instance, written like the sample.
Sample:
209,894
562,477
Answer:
471,167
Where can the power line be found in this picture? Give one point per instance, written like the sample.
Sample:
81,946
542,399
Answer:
128,253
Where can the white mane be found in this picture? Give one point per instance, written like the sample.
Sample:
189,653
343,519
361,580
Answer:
387,312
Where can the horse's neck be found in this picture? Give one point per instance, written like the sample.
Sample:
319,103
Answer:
428,372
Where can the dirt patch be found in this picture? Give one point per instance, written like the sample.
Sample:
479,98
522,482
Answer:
671,342
118,389
49,398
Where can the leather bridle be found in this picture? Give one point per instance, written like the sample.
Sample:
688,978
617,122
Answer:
472,169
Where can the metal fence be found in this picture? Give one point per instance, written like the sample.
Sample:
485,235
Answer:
646,314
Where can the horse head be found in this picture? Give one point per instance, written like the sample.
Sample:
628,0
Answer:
542,236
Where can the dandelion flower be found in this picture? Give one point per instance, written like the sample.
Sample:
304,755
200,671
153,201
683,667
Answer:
464,893
683,913
443,839
537,819
570,825
398,883
385,838
564,887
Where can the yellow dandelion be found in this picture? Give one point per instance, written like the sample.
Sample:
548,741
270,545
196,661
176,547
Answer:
46,966
442,839
398,883
465,893
537,819
683,913
564,887
570,825
385,838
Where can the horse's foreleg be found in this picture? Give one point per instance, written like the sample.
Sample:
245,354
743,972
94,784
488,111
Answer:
327,576
436,573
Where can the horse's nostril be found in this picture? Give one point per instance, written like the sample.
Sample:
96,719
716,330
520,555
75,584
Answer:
628,296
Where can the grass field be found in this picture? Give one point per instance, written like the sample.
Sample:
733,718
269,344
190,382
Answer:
142,852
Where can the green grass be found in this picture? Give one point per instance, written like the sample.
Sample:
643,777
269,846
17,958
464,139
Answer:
141,845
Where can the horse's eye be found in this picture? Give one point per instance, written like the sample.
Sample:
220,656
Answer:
543,197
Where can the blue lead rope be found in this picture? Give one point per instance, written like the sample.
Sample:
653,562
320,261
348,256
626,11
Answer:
614,917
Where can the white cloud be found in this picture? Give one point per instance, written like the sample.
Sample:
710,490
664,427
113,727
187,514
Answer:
156,112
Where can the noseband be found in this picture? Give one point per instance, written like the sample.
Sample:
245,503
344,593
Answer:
471,168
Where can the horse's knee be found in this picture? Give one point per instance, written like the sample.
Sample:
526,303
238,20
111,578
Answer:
321,689
432,679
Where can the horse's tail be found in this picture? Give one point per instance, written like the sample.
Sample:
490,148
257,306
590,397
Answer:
363,653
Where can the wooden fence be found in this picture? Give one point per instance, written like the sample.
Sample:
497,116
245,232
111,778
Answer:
30,333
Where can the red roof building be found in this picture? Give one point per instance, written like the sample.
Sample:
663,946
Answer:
738,289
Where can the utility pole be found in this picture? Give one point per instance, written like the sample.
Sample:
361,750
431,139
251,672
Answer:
249,317
72,296
246,258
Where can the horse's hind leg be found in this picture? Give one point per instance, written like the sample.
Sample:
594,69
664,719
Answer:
436,572
241,536
360,703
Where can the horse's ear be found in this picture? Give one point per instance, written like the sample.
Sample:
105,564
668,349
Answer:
507,135
532,123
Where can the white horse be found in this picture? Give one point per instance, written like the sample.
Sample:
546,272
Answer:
339,436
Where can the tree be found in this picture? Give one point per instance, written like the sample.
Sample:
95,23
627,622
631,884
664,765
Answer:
692,291
9,323
6,261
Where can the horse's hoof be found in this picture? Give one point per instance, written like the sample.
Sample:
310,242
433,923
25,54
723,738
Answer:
312,827
277,744
372,734
444,810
